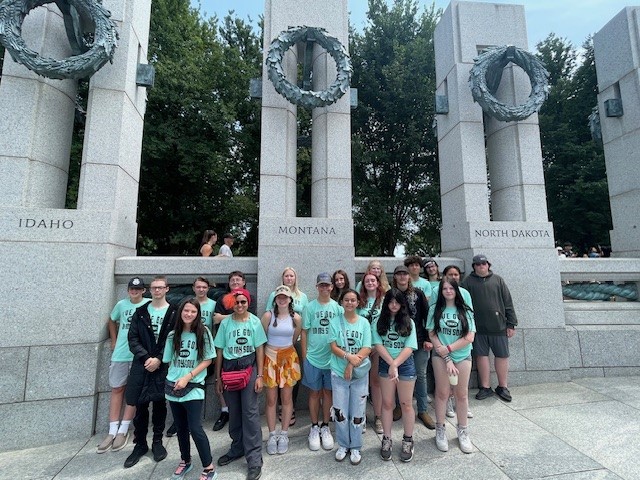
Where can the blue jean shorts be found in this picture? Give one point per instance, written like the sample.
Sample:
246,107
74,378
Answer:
316,378
406,371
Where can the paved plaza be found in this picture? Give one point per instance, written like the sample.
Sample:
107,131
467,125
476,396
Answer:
585,429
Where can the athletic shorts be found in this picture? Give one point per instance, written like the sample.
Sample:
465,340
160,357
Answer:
118,373
316,378
281,367
498,344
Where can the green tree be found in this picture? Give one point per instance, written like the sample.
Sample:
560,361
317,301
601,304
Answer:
200,148
395,168
577,193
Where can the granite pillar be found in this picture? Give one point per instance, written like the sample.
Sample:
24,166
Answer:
492,185
324,241
66,258
616,48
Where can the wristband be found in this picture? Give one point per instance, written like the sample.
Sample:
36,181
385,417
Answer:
259,376
191,373
344,357
449,348
447,358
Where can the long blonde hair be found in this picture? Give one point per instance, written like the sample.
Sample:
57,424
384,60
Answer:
295,291
384,281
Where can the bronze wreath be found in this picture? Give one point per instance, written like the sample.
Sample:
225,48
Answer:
308,98
91,55
485,76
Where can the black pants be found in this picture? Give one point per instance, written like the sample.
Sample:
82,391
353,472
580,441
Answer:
141,421
188,419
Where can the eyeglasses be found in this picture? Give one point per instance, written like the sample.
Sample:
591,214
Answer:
157,288
241,302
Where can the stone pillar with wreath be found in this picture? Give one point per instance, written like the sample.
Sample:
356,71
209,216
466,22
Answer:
488,90
306,67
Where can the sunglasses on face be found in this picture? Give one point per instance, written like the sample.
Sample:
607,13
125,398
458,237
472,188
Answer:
241,302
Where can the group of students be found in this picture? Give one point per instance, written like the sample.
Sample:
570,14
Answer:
344,346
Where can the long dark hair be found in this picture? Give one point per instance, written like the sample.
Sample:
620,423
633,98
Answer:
275,310
197,327
402,319
206,236
461,307
336,293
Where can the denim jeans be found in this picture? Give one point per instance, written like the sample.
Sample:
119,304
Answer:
349,402
421,357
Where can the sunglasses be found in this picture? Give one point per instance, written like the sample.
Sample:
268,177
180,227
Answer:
241,302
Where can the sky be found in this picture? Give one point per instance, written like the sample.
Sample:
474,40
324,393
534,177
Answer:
570,19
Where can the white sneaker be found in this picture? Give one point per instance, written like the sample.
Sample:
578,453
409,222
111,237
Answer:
283,444
326,437
441,438
272,444
314,438
355,457
469,414
341,454
463,439
451,412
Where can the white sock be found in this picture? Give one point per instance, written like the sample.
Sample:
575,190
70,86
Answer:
225,409
113,428
124,426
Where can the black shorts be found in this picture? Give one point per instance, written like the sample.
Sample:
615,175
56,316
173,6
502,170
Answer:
498,344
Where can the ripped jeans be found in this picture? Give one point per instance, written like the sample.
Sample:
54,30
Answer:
349,408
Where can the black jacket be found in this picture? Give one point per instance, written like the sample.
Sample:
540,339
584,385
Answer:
418,311
144,386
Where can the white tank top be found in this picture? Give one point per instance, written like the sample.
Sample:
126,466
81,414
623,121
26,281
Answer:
282,335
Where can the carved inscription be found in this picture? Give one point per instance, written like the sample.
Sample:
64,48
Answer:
294,230
50,224
510,233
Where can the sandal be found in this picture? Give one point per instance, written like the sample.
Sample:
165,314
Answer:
292,422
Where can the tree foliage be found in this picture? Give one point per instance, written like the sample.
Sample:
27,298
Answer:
577,193
395,170
200,146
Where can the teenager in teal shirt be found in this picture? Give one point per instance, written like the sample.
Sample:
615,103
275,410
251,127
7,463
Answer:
121,358
350,341
452,329
188,351
394,338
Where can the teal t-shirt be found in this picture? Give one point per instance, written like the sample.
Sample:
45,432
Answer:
358,336
424,285
157,317
466,296
206,310
186,361
298,302
239,339
450,330
121,314
393,342
375,312
316,318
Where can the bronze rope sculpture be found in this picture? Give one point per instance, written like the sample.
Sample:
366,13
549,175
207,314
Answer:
92,47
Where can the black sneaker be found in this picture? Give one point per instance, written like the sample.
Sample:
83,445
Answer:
139,451
172,430
159,452
226,459
254,473
503,393
221,422
483,393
